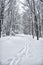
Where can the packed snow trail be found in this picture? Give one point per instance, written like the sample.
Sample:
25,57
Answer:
31,50
23,52
19,56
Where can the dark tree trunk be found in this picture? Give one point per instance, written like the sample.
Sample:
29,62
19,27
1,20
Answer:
32,29
37,36
36,26
0,28
37,32
40,30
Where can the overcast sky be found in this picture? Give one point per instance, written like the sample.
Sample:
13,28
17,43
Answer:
20,6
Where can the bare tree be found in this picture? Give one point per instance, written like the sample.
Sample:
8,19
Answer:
32,5
1,14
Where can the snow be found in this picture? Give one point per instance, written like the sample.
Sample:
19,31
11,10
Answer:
21,50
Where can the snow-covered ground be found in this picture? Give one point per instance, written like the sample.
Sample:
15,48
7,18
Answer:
21,50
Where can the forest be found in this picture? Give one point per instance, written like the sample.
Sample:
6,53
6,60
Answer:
21,17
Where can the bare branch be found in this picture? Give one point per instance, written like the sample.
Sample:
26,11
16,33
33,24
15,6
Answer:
29,6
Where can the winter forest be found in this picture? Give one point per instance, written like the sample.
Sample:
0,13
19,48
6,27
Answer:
21,32
21,17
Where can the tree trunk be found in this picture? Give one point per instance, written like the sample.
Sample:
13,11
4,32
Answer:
0,28
37,36
32,28
40,30
37,32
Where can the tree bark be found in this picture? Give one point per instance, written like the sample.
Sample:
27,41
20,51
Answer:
0,28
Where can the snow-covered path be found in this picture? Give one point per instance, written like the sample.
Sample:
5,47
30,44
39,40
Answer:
22,50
